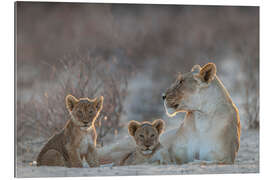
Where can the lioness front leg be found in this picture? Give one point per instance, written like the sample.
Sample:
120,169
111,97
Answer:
161,158
75,160
217,158
92,157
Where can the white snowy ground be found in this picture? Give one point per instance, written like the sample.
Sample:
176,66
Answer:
247,162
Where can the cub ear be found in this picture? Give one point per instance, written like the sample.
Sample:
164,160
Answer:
99,103
133,126
70,102
208,72
159,124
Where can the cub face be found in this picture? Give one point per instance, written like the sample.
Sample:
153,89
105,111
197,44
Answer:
84,111
146,135
184,93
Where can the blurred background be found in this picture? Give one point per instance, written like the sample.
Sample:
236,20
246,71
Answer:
130,54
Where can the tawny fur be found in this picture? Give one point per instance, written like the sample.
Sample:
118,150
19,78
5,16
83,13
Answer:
211,128
148,148
77,140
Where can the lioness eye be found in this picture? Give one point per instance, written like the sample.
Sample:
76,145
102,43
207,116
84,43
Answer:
142,136
181,81
152,135
90,112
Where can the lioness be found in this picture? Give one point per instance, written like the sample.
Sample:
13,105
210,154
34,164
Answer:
77,140
211,128
148,148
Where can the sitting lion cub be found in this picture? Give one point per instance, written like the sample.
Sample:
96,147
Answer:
148,148
77,140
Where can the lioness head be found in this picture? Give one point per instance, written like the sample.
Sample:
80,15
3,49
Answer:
184,93
84,111
146,135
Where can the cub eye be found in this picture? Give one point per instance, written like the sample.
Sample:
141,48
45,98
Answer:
152,135
79,113
142,136
91,111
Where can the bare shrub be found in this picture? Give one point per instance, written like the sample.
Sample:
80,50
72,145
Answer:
81,76
251,87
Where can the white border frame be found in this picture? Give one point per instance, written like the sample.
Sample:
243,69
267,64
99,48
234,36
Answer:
7,88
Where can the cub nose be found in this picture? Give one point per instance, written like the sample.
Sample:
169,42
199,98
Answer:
147,145
163,96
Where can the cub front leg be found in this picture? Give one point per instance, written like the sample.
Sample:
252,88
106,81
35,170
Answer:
92,157
75,160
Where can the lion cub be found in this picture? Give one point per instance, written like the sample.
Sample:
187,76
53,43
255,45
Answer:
148,148
77,140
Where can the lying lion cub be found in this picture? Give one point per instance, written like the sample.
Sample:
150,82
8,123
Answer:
148,148
77,140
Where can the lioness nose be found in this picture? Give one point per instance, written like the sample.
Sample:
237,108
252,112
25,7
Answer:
163,96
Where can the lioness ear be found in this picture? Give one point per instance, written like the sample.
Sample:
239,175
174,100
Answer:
70,102
132,127
159,125
208,72
99,103
196,68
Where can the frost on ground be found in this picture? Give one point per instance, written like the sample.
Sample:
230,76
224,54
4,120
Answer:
247,162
